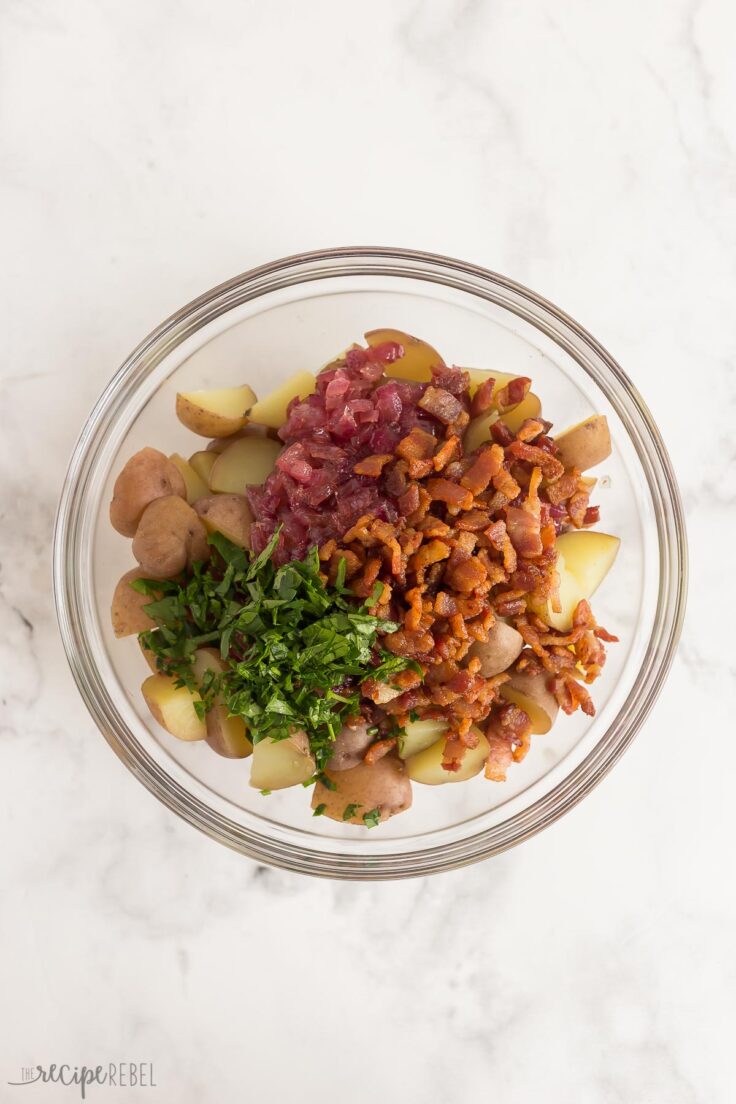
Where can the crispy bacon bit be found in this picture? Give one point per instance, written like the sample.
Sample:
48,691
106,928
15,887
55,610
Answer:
409,644
432,552
508,730
409,500
379,692
379,749
445,605
530,428
467,576
483,397
352,563
506,484
373,465
552,468
592,516
441,405
453,755
417,445
442,490
327,549
487,463
446,453
524,531
513,393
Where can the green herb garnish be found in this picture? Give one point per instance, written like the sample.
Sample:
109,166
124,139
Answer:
296,649
350,811
319,810
372,819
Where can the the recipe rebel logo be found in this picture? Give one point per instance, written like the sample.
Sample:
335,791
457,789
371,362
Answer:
119,1075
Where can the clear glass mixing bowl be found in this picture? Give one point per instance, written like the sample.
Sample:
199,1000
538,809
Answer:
296,313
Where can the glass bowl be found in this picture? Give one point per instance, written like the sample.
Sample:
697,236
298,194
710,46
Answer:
297,313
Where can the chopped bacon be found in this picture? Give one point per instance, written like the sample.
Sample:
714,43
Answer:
552,468
409,644
487,463
409,500
373,465
442,490
446,453
530,428
379,749
417,445
504,482
508,729
513,393
474,521
466,576
483,397
431,552
441,405
592,516
524,531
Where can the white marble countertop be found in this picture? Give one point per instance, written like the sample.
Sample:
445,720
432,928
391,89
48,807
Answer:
150,151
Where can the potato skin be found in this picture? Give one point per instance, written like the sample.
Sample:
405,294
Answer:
351,744
126,611
228,514
584,445
148,475
499,651
169,538
384,786
211,423
533,687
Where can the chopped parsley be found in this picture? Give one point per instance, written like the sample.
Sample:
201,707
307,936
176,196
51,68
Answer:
296,648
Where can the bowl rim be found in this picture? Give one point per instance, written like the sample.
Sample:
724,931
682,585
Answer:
546,317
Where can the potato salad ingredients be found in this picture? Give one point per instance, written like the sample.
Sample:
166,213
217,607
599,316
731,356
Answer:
373,577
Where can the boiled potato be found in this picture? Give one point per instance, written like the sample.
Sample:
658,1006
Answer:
351,744
384,786
480,375
196,486
169,538
584,558
419,735
426,767
127,613
173,707
417,361
248,460
278,764
479,431
202,463
146,476
219,444
529,407
228,514
215,413
226,735
500,650
271,411
530,693
586,444
588,556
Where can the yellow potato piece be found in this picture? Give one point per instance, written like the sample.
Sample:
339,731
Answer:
226,735
586,444
249,460
479,431
173,707
480,375
278,764
426,767
529,407
530,693
419,735
202,462
196,486
584,558
271,410
215,413
417,361
228,514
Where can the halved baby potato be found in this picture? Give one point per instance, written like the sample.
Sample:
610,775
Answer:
479,429
173,707
426,767
126,612
530,693
384,786
417,361
529,407
202,462
196,486
228,514
419,735
584,558
500,650
216,413
226,735
147,475
586,444
249,460
278,764
271,410
169,537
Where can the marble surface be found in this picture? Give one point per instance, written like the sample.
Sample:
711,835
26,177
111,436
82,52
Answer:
152,150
